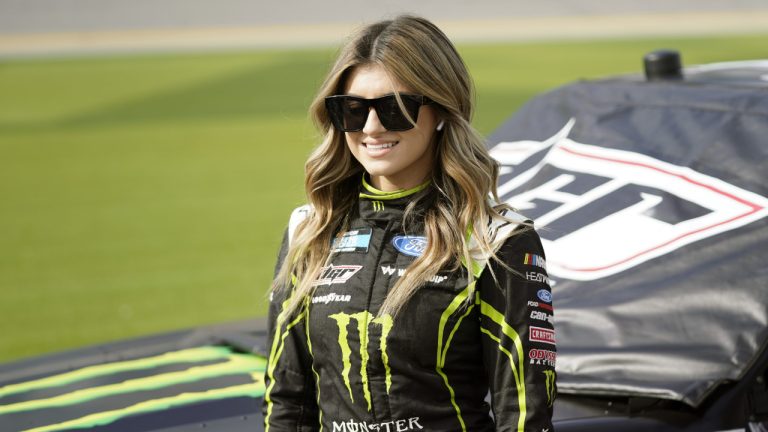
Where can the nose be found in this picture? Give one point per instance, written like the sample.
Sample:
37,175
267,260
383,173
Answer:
373,125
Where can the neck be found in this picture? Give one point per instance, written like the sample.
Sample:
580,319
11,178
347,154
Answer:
386,184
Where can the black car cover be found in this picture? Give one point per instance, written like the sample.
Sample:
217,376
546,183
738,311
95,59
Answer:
651,201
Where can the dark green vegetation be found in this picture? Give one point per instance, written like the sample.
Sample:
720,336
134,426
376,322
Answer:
148,193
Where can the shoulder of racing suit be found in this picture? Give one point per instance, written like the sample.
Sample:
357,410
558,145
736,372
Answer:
298,215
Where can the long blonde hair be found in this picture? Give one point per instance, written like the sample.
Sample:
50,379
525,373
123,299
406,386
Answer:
416,53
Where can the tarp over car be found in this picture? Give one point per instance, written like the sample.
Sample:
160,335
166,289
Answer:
651,201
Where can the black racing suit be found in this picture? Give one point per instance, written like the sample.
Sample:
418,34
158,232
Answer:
339,365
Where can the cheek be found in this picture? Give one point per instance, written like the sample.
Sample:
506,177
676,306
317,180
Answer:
350,140
424,137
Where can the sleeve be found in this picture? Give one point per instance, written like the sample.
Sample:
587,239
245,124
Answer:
518,339
290,398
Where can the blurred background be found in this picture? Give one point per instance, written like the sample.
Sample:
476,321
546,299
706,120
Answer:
151,151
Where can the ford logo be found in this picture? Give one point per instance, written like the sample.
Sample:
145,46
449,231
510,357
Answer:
410,245
545,295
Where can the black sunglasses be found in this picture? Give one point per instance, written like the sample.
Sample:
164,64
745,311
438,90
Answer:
349,113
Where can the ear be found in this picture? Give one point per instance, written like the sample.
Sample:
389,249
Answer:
440,125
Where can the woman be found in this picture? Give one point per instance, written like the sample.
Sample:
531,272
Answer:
404,295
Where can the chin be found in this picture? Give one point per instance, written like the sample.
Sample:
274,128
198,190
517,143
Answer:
377,170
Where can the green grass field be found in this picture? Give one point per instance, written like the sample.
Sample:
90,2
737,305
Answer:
141,194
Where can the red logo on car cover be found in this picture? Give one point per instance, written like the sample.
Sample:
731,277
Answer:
608,210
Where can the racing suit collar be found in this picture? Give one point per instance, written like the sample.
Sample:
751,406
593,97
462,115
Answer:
381,206
372,193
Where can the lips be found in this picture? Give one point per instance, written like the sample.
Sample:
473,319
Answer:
379,149
380,146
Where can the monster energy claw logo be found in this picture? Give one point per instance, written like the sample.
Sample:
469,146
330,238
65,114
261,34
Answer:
363,319
550,385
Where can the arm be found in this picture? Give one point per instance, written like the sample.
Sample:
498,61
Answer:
289,400
518,335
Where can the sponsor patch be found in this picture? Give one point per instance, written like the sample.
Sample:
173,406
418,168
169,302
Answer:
544,295
402,425
410,245
587,195
390,271
364,323
537,277
551,387
331,297
540,305
541,316
336,274
353,241
542,357
539,334
535,260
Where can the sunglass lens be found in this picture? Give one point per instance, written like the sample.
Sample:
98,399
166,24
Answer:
392,117
346,113
355,114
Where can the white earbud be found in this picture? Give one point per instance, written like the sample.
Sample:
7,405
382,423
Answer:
440,125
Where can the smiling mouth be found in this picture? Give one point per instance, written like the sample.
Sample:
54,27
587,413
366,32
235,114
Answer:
381,146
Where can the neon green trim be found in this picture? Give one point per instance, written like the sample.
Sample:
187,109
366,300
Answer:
317,375
237,364
455,328
274,355
253,390
518,371
472,266
452,307
376,194
182,356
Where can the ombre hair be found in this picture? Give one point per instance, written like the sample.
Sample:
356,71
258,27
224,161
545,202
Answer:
417,54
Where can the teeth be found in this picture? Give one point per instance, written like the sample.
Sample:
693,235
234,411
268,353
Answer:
380,146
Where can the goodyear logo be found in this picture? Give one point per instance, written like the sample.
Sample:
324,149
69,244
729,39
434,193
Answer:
410,245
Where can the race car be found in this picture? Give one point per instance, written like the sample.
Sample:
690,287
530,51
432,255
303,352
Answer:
650,193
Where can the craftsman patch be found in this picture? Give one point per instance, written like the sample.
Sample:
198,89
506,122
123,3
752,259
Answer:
539,334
